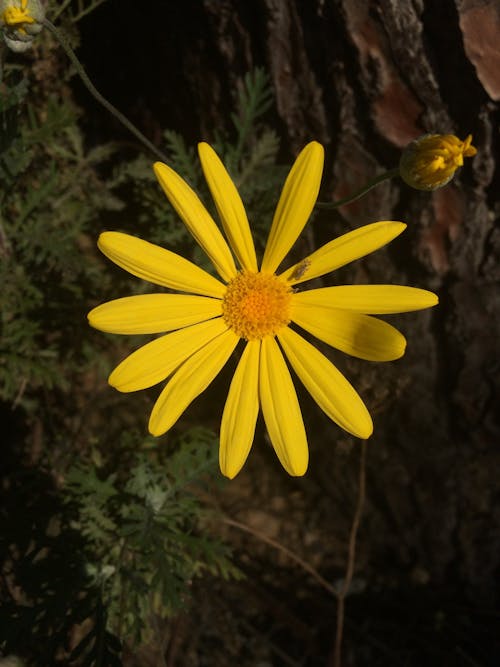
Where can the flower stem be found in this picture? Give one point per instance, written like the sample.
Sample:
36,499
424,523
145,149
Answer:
97,95
327,206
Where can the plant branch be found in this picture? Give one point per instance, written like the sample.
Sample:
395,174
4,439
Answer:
351,557
290,554
97,95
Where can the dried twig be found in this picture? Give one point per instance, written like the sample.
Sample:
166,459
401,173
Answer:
351,558
290,554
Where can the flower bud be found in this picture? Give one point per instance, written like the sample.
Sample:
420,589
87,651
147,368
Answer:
431,161
21,21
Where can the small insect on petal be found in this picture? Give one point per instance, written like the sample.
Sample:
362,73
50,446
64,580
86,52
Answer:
301,269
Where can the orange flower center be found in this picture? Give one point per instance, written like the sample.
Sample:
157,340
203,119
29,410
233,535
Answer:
256,304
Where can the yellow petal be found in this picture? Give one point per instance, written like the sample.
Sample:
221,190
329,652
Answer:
154,361
229,206
344,249
240,412
158,265
281,409
370,299
356,334
329,388
153,313
190,380
197,219
296,203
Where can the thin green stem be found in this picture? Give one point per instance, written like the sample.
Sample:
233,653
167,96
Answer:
83,12
328,206
60,10
97,95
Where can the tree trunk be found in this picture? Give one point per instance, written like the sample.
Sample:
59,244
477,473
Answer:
366,78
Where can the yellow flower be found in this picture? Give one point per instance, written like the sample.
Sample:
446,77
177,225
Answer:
257,305
21,21
431,161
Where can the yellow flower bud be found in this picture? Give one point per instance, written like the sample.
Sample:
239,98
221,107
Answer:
431,161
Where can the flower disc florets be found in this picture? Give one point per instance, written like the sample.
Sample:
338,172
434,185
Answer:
256,304
431,161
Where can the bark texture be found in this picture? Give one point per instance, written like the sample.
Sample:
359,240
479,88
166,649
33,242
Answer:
365,78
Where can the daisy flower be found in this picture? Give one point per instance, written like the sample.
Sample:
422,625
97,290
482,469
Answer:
257,304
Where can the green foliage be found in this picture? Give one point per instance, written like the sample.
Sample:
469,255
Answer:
254,99
145,532
110,552
10,101
44,588
50,195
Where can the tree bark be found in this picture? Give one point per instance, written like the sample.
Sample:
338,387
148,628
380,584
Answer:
366,78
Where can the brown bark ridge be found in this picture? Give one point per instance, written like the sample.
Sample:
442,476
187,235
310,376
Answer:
365,78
